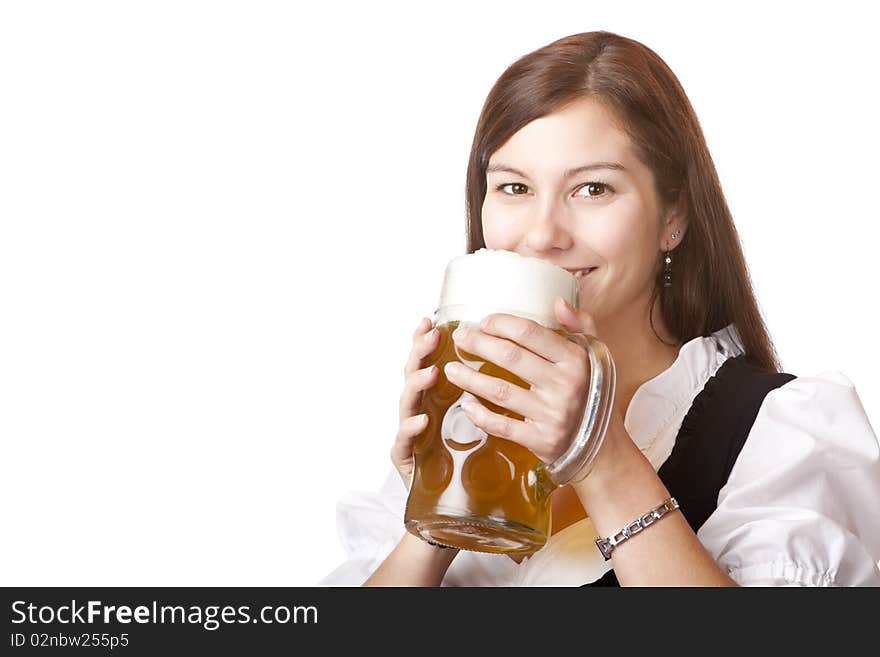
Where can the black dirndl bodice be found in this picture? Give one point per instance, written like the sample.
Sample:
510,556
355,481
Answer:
710,439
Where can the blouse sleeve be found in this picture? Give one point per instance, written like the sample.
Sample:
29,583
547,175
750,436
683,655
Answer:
800,505
370,525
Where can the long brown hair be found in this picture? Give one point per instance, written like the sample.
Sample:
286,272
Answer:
711,285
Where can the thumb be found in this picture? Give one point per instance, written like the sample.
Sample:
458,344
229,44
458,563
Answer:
572,319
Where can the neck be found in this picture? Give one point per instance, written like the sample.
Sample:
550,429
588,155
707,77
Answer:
638,354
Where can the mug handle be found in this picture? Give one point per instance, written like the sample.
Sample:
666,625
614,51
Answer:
575,464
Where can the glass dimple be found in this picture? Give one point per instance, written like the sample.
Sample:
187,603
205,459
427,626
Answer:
460,467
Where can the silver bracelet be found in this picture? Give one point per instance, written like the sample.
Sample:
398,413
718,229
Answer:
607,545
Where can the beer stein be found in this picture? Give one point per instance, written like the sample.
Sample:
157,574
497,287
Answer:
476,491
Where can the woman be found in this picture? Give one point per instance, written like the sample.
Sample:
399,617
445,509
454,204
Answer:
589,155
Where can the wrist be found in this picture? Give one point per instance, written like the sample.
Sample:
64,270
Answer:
421,549
621,487
412,563
609,544
616,461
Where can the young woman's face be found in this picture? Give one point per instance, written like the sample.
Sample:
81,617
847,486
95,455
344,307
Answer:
603,218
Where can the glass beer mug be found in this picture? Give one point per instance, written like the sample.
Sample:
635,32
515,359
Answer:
472,490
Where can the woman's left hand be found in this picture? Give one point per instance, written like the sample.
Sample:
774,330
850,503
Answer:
556,369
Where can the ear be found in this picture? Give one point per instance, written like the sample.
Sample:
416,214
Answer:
675,222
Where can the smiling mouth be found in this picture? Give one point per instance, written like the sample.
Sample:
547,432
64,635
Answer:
581,273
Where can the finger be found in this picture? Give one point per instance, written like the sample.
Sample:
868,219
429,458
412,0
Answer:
501,426
528,333
574,320
422,328
415,383
410,427
424,343
496,391
517,360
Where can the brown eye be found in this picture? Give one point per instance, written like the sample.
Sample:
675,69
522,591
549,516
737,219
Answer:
594,187
519,186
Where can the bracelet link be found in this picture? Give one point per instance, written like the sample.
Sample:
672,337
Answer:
606,545
632,529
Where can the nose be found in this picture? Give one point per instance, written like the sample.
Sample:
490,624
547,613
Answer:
547,228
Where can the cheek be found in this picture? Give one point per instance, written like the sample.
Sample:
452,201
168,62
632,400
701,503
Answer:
500,229
625,243
618,236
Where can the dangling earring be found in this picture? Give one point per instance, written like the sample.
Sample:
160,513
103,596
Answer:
667,266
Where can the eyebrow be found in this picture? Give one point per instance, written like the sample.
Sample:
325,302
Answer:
616,166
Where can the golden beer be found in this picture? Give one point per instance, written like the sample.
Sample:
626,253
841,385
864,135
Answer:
477,491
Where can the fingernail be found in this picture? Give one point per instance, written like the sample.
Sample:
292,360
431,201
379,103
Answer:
469,407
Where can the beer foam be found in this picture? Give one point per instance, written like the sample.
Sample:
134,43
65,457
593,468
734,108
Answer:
496,281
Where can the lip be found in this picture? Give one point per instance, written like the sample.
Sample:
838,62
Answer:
574,271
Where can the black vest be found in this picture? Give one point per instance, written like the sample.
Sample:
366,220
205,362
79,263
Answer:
711,436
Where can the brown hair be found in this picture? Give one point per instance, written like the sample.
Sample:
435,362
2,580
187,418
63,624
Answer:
711,287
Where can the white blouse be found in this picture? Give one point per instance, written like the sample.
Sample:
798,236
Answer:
801,506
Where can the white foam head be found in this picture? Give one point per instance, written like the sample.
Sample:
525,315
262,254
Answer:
494,281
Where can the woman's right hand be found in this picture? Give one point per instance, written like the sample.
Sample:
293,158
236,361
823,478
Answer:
416,380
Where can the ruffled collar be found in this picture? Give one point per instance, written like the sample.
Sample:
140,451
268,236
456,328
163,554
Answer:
661,400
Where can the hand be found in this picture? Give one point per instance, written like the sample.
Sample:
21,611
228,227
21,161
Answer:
416,380
556,370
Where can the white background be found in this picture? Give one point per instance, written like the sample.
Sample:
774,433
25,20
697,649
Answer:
222,221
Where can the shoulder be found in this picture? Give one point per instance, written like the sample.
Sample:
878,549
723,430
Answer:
820,414
792,510
811,425
824,407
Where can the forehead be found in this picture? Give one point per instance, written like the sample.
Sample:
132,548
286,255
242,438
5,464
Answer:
579,133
